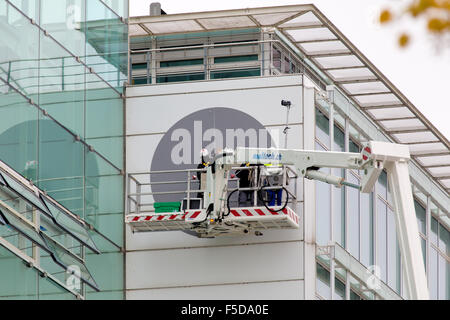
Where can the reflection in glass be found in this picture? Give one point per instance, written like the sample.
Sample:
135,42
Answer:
433,274
353,216
323,209
11,221
444,239
24,192
67,260
381,232
70,225
339,213
393,253
367,229
444,280
421,219
322,128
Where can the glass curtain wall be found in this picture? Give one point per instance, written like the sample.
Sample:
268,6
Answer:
364,224
63,64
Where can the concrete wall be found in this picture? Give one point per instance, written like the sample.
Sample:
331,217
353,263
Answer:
175,265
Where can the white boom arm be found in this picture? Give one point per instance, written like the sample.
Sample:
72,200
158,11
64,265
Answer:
374,157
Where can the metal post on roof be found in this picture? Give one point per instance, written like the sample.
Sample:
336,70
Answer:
155,9
148,59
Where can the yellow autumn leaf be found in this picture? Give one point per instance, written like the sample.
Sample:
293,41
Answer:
403,40
437,25
385,16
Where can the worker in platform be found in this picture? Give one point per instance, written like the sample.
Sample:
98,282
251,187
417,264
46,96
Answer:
245,177
273,178
201,176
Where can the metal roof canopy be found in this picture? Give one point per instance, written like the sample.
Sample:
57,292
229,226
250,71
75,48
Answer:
331,52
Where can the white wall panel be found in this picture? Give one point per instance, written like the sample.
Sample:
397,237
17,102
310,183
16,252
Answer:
214,265
211,85
139,149
262,103
280,290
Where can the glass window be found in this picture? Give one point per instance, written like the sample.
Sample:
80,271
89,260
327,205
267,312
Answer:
138,81
433,274
223,74
353,217
24,192
381,185
338,210
381,231
423,244
323,285
393,253
421,217
107,278
339,193
139,66
19,62
180,77
276,58
69,261
70,225
434,230
38,147
286,65
367,229
64,19
444,281
323,282
353,147
17,281
444,239
339,139
120,7
23,228
61,165
19,129
339,289
106,43
180,63
252,57
322,128
354,296
323,209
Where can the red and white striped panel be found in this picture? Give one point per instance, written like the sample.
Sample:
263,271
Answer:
263,212
176,216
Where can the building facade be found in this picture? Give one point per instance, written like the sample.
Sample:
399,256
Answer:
62,69
188,66
97,109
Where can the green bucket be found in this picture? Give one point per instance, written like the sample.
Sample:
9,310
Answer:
162,207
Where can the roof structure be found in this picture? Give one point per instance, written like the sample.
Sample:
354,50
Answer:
331,52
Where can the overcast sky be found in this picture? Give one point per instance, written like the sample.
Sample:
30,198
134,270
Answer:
421,72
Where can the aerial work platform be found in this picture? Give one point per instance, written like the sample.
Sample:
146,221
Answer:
245,208
240,220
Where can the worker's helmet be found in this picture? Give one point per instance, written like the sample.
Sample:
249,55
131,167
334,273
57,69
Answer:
204,154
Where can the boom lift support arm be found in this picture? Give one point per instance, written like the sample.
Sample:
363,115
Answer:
374,157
